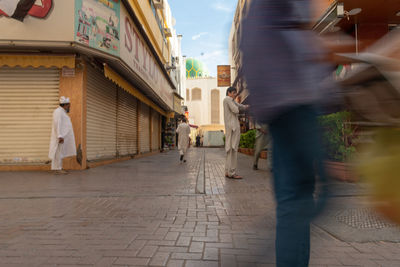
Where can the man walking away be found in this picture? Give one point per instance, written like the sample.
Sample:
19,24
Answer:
232,132
62,142
261,143
183,132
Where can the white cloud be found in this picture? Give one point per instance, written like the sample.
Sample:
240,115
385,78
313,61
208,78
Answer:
197,36
222,7
214,58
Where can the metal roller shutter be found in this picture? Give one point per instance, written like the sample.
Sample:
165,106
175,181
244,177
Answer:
155,131
28,97
101,116
126,124
144,124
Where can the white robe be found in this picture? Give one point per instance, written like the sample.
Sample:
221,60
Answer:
183,131
232,124
62,128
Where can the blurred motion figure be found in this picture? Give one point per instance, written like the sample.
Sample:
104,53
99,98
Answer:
283,70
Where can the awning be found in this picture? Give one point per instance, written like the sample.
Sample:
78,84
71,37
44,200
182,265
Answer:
116,78
36,61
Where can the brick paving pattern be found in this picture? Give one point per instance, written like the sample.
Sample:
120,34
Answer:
146,212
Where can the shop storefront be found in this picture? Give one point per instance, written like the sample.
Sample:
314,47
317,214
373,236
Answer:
118,90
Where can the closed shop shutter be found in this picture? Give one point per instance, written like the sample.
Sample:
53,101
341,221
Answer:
155,142
144,129
126,124
101,116
28,97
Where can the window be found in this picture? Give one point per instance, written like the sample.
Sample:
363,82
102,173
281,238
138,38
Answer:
215,106
196,94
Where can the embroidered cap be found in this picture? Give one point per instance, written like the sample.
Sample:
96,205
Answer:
64,100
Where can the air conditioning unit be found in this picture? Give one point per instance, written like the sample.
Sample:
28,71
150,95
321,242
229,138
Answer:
158,4
167,32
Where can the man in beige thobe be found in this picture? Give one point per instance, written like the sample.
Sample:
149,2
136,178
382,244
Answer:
232,132
183,132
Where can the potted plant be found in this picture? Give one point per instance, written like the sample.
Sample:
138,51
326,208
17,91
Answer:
338,138
246,144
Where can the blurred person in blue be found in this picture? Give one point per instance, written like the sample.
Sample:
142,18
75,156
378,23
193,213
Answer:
283,66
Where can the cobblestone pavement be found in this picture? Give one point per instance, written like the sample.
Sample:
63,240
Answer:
149,212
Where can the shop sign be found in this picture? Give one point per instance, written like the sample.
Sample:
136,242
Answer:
20,9
97,24
135,53
224,75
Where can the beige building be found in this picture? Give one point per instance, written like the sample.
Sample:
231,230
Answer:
203,98
113,58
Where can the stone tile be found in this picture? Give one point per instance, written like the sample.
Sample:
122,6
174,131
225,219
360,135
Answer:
191,263
159,259
132,261
211,254
196,247
175,263
147,251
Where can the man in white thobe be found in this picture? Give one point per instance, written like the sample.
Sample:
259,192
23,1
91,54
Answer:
183,132
62,142
232,132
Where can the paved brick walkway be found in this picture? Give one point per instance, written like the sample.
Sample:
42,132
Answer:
149,212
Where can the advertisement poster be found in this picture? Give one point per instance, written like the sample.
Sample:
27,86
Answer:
97,24
224,75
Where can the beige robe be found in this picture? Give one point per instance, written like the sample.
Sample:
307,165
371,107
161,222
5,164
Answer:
232,125
183,132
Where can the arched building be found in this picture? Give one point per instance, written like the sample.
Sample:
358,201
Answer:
203,98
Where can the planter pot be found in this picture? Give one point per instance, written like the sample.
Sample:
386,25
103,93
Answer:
250,152
341,171
264,154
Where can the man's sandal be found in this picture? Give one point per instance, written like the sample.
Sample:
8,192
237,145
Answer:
235,177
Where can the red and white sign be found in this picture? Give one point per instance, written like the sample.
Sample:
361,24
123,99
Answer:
135,52
40,8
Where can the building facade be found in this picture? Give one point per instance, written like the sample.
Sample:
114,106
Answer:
111,57
204,99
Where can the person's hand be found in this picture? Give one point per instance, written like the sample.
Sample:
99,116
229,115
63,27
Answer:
246,106
61,140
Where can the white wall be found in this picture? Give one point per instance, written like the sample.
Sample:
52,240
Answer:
200,111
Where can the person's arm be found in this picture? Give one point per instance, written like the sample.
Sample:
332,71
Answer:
59,127
232,106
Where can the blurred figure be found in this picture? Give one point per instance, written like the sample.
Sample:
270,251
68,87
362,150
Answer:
261,144
283,70
198,140
183,132
232,132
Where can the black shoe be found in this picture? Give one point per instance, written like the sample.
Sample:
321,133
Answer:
184,160
181,158
255,167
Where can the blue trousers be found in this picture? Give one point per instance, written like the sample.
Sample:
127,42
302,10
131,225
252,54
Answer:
297,160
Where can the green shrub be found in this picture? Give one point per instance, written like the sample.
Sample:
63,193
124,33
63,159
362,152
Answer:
338,135
248,139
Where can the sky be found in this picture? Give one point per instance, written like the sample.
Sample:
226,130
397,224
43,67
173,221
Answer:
205,26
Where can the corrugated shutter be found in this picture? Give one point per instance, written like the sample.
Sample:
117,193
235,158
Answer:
126,123
155,130
28,97
144,127
101,116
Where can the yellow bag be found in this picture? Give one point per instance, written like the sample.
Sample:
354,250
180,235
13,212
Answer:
380,165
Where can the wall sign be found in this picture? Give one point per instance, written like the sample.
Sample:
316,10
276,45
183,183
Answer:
97,24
